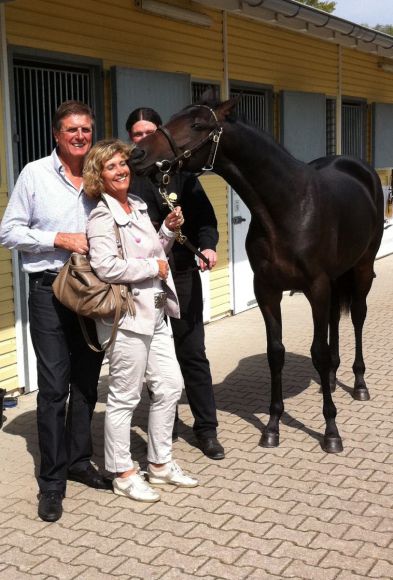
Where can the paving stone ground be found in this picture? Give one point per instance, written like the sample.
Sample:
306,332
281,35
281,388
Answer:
290,512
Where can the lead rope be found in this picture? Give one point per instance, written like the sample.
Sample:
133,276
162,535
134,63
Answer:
180,237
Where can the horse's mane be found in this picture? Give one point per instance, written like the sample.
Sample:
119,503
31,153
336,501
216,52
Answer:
234,118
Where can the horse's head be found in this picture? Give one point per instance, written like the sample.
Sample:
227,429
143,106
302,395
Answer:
189,141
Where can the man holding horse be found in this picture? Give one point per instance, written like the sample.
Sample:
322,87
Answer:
188,331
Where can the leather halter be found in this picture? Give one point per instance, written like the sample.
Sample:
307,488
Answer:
168,167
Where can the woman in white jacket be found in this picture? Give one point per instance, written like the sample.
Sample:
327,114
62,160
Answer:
143,347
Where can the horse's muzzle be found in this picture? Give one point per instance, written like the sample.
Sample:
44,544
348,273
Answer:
137,164
137,154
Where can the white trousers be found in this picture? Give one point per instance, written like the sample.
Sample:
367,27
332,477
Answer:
132,358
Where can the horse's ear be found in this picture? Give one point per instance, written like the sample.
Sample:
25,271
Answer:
227,108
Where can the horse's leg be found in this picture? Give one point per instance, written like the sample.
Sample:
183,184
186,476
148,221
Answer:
319,297
271,310
363,278
334,338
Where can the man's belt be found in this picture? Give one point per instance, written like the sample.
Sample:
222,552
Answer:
47,277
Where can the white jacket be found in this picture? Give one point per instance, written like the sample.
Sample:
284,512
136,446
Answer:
142,246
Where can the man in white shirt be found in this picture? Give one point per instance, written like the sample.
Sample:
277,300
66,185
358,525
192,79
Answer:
46,219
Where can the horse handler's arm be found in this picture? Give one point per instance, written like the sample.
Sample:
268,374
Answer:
211,255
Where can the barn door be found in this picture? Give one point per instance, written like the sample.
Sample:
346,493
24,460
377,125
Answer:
167,93
39,86
303,124
254,107
382,135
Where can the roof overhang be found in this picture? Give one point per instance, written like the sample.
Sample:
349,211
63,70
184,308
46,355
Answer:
304,19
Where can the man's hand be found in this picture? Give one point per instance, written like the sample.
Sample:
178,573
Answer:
72,242
211,256
163,269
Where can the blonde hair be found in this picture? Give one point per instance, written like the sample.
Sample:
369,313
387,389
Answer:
98,155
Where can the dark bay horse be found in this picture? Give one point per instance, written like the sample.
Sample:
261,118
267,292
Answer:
314,227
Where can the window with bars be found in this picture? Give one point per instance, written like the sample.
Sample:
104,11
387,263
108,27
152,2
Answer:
253,106
39,88
198,88
353,140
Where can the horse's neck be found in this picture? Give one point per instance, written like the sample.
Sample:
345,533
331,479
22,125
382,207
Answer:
259,170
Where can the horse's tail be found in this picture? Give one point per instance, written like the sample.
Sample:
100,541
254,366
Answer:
342,291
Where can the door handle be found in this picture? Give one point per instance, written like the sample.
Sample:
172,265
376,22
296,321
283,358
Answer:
238,219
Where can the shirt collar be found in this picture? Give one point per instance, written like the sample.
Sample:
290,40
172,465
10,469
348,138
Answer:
120,216
59,168
56,162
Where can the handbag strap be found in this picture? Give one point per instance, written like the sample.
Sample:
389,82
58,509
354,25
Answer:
116,320
117,293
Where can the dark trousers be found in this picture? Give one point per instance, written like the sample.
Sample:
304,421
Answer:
189,338
65,366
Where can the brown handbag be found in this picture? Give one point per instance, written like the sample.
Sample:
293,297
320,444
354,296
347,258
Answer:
78,288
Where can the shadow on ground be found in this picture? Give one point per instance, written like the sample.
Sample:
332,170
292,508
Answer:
245,392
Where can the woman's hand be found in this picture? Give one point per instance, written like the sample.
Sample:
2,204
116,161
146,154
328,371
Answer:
175,219
163,269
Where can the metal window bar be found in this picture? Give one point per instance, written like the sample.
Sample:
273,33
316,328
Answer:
330,126
252,107
39,90
352,129
198,88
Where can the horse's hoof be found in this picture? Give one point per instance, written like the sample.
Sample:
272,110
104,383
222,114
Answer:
270,439
361,395
332,444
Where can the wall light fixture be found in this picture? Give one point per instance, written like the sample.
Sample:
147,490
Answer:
386,66
174,12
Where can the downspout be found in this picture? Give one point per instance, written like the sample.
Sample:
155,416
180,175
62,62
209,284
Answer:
225,54
9,171
339,102
226,94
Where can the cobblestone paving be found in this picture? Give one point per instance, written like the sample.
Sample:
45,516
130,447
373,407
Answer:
290,512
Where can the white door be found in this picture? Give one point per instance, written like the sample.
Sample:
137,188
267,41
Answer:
243,290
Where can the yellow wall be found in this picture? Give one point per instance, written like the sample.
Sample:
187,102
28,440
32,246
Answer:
117,33
266,54
219,278
363,78
8,368
269,55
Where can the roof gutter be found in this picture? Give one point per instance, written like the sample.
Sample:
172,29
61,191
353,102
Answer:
296,16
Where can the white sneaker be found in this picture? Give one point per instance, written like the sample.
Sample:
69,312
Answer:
171,474
135,487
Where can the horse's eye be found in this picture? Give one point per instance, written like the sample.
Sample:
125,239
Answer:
195,126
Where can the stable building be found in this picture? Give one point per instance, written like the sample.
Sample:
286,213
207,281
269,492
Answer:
319,84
